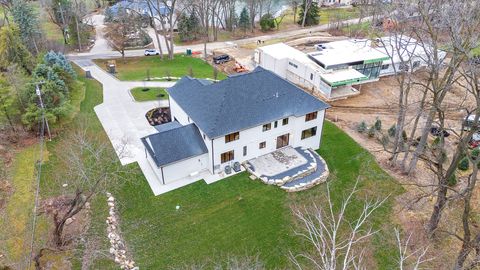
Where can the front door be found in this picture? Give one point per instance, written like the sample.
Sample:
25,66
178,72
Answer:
282,141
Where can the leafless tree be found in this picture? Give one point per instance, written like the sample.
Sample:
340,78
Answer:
410,259
336,241
91,168
119,32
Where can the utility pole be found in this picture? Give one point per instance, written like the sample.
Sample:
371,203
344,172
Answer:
39,94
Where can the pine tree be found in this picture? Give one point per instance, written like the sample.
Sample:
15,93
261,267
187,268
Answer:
312,14
8,106
183,26
27,20
194,24
244,21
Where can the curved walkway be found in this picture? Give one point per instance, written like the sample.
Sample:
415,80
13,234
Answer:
123,118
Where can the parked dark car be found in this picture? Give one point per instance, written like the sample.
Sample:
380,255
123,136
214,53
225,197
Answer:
220,59
435,131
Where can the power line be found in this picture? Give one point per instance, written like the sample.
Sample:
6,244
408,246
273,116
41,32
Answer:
44,123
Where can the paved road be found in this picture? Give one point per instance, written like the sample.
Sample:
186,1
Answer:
107,54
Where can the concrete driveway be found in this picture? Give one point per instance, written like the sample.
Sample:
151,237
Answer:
123,119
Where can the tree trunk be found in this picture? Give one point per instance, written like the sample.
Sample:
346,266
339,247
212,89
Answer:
7,115
154,25
414,130
467,245
78,34
423,141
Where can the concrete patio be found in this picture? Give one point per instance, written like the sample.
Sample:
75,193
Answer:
293,169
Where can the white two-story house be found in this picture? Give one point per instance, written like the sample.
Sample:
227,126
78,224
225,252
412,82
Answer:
215,125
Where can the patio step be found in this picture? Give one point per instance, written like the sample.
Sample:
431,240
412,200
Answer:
291,175
320,175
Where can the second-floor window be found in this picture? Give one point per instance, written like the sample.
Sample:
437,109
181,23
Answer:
310,116
262,145
267,127
285,121
232,137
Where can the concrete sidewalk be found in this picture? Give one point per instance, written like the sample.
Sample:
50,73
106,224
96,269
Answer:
123,119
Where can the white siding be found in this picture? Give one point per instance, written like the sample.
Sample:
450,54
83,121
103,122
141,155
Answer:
185,168
269,62
178,113
254,136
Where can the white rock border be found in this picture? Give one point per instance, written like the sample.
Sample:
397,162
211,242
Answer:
117,245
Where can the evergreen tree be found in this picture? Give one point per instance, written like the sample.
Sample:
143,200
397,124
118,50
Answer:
8,106
13,51
244,21
27,20
267,22
312,14
58,77
194,23
183,26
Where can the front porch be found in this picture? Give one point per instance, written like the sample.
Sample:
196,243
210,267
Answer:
293,169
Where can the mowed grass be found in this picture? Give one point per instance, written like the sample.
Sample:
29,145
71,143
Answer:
236,216
334,14
142,68
239,217
148,93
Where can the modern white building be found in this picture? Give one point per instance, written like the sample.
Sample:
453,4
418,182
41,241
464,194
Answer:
337,69
335,2
216,125
333,74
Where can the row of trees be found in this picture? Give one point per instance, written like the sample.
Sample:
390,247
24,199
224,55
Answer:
21,44
423,103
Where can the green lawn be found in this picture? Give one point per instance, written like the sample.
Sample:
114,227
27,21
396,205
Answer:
238,216
235,216
136,68
338,14
148,93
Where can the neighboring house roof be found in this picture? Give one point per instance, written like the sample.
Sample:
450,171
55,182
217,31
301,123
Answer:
241,102
139,6
174,144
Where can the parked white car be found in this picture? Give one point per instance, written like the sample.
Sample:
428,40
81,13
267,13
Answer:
149,52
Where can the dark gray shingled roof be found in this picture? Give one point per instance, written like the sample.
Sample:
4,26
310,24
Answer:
174,144
242,101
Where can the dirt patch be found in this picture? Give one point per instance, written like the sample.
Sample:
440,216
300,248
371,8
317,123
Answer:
378,100
74,227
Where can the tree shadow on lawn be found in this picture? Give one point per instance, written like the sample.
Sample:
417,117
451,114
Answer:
238,215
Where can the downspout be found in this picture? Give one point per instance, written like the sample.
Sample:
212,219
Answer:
163,177
213,159
323,124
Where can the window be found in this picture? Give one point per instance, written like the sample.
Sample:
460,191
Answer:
244,151
292,64
285,121
227,156
311,76
275,124
262,145
416,64
232,137
204,137
310,116
307,133
267,127
385,66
